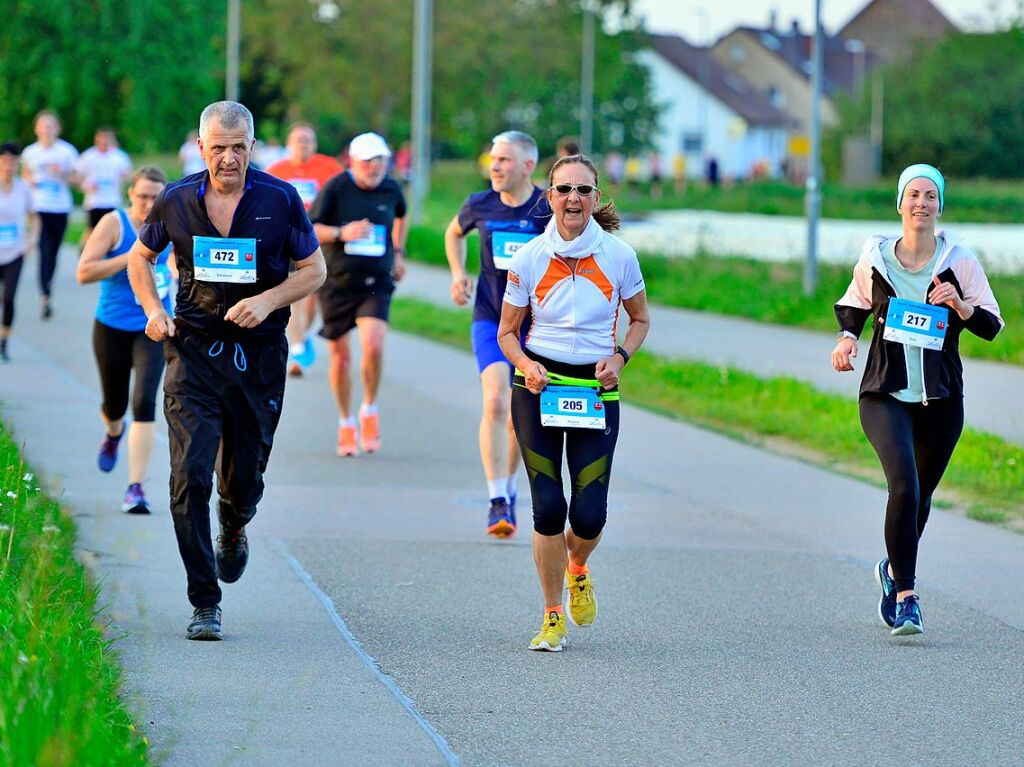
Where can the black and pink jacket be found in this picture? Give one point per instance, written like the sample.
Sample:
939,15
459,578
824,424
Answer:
869,293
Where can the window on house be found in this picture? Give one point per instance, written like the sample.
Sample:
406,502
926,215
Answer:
693,143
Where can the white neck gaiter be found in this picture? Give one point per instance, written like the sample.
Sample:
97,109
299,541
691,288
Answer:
587,243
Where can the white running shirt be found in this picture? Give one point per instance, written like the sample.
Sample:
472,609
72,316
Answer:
574,313
50,193
103,176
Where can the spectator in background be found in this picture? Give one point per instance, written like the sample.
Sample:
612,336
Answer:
615,168
403,163
654,171
711,171
679,173
270,152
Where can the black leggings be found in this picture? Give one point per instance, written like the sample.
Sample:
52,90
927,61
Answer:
914,442
118,352
588,452
9,275
51,235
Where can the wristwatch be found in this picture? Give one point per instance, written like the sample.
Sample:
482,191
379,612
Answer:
620,351
845,334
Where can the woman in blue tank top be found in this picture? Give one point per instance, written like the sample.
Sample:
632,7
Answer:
119,338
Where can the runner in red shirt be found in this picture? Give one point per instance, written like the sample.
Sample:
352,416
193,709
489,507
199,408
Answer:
307,171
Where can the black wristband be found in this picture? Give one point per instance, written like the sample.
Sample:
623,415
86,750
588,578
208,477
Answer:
621,351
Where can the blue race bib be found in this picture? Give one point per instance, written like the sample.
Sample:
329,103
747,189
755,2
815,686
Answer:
913,323
307,189
505,244
224,259
373,246
8,235
575,407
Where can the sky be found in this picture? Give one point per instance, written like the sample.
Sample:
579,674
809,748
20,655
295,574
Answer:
703,21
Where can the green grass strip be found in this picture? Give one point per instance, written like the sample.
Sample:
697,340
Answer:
59,681
986,472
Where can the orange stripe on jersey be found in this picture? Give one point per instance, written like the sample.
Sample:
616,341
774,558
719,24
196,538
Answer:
587,267
557,271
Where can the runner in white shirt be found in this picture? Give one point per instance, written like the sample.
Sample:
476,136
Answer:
48,166
571,280
103,169
19,232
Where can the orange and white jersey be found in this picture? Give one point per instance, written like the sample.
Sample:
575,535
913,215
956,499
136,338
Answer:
573,311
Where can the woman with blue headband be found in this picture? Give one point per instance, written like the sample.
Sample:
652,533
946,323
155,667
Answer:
923,289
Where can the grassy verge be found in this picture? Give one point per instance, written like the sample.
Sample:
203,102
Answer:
772,292
59,701
985,475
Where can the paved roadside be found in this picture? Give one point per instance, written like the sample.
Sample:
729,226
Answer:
737,617
992,389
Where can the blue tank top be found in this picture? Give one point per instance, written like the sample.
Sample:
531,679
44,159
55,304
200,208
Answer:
118,307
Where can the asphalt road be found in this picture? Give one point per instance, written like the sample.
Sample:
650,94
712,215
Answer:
377,624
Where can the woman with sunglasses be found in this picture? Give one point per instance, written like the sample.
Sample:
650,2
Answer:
570,279
923,289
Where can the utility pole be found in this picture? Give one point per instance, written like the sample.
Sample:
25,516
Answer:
587,81
234,38
813,197
421,81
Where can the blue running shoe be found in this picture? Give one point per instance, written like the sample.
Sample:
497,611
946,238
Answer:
512,509
308,353
107,458
908,618
887,602
135,500
499,523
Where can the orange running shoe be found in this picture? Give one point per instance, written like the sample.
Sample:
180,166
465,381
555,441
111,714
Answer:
369,433
347,441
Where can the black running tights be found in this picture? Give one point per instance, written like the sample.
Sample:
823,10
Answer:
914,442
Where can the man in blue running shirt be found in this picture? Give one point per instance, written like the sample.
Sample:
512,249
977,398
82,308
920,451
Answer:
508,215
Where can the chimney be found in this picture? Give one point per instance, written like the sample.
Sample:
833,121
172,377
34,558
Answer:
795,28
773,19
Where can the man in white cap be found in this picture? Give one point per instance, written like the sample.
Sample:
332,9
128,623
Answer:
359,218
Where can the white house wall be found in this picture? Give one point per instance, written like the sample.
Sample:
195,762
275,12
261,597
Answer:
737,150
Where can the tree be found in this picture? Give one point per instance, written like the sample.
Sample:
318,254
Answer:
497,65
955,105
145,67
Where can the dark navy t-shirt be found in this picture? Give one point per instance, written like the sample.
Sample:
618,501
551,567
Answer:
503,230
270,211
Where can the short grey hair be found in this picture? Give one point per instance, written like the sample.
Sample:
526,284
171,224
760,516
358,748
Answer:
230,114
524,140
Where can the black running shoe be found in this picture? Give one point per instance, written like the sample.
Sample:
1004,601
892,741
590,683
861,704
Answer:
205,624
232,555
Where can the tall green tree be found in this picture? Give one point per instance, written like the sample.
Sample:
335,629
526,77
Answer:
143,66
497,65
956,105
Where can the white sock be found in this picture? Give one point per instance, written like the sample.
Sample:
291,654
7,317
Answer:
296,349
498,488
350,421
366,409
513,485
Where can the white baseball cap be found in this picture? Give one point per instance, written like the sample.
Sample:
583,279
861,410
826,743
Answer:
366,146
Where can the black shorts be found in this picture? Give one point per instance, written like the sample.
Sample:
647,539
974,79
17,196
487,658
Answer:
341,308
95,214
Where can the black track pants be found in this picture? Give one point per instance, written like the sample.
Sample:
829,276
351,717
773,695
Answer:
226,397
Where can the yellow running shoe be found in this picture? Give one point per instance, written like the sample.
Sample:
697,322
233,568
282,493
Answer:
552,636
582,600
